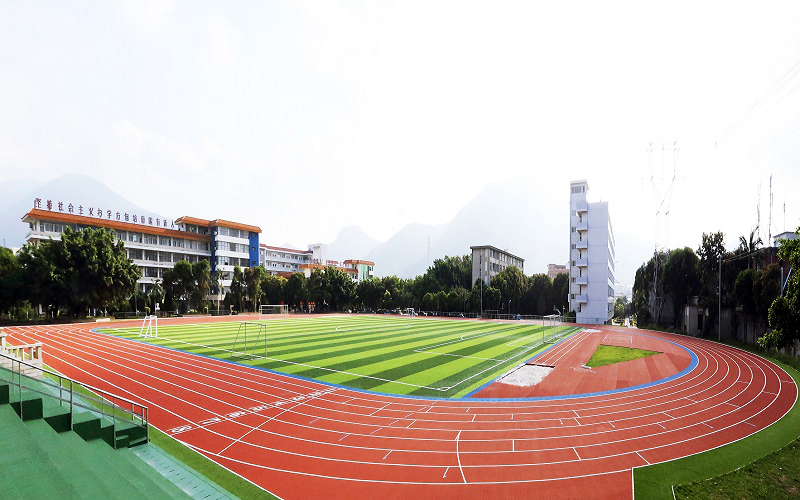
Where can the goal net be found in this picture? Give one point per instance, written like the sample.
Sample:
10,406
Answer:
410,312
271,309
149,327
250,341
551,324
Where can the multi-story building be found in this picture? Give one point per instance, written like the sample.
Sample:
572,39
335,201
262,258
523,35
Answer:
153,243
591,252
488,261
282,261
554,270
364,269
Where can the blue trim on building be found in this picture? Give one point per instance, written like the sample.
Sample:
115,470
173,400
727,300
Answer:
213,232
253,249
464,398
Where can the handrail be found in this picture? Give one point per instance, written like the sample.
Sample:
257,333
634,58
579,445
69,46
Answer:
97,396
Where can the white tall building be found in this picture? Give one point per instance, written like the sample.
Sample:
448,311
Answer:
591,257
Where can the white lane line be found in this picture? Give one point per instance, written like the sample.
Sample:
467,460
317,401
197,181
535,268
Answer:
458,457
749,423
667,414
576,453
376,430
412,423
343,436
640,456
473,417
384,457
379,409
659,424
513,445
445,472
612,425
773,372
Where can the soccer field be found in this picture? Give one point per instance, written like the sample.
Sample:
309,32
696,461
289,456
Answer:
421,357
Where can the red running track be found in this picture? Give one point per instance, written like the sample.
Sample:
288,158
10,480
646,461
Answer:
298,438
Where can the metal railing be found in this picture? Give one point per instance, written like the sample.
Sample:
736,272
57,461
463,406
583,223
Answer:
77,396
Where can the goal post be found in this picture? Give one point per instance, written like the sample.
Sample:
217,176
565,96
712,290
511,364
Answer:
271,309
250,341
409,311
149,327
550,324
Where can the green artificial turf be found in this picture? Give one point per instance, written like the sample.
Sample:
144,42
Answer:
422,357
657,481
610,354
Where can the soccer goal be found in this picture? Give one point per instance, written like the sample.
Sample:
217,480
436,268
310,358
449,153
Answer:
410,312
149,327
491,314
550,326
250,341
269,309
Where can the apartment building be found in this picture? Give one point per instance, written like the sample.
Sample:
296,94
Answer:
591,252
488,261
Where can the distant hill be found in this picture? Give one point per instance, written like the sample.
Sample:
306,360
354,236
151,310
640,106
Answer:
351,243
522,216
69,188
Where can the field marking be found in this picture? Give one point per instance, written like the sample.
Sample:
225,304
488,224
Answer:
458,456
761,369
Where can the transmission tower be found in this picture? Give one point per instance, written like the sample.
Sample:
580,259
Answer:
663,187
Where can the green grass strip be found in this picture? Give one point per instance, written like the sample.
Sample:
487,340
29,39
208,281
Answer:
656,481
221,476
611,354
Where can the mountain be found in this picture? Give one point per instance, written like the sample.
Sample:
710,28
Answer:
522,216
351,243
69,188
406,251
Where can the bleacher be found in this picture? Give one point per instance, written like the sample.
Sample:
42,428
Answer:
61,438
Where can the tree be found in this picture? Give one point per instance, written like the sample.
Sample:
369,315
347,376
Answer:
369,293
10,280
317,291
179,282
750,246
200,286
511,284
784,313
680,278
491,298
273,287
619,308
237,292
642,286
711,249
561,292
340,288
253,276
540,295
85,269
295,290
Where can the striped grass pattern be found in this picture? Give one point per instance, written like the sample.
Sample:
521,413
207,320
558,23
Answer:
421,357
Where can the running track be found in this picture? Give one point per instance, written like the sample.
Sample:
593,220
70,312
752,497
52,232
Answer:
298,438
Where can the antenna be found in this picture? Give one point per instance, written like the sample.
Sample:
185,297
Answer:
769,241
758,211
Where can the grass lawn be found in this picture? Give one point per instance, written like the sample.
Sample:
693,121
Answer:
421,357
656,481
610,354
775,476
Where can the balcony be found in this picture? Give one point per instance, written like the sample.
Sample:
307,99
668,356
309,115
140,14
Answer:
582,206
582,299
582,245
582,280
582,226
582,262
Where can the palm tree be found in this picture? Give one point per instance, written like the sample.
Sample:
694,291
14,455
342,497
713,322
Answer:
750,246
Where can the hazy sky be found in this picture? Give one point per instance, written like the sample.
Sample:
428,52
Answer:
310,116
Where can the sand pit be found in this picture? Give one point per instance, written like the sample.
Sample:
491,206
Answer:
526,375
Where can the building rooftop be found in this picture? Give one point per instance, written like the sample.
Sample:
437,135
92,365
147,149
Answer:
479,247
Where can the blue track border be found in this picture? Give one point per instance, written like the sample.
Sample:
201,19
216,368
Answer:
465,397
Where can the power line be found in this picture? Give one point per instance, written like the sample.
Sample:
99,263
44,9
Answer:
748,117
